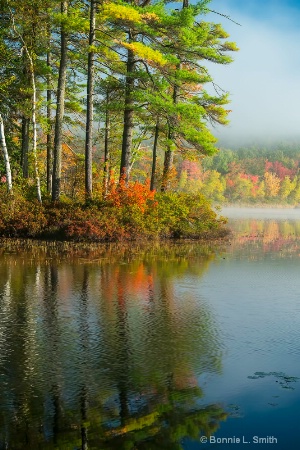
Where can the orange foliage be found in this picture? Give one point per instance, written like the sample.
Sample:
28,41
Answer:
132,193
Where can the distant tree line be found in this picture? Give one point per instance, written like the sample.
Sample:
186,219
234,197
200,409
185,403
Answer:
246,175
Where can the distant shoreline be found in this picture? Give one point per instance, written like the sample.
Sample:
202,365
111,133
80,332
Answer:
259,205
260,212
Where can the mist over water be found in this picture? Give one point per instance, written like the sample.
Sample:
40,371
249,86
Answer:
278,214
263,80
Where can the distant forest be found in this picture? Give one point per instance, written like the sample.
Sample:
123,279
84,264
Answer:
246,175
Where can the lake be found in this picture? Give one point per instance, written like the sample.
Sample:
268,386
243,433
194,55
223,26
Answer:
158,347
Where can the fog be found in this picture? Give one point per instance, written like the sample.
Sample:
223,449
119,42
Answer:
264,79
260,213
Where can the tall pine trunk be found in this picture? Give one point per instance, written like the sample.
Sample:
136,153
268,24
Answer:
169,154
128,116
154,157
90,105
49,124
60,108
25,130
106,149
5,155
168,164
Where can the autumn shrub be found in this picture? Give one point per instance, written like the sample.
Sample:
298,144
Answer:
20,217
187,215
135,206
94,225
132,194
129,212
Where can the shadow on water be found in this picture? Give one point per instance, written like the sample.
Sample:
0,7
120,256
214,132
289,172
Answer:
104,352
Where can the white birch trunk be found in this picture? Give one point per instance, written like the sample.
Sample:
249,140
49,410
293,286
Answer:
34,144
5,155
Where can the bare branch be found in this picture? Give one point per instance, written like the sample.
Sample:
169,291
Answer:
224,15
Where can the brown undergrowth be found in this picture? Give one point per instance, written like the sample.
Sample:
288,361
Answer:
128,213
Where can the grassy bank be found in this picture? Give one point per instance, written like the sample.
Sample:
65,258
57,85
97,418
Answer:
127,214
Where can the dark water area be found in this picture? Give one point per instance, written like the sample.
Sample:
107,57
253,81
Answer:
184,347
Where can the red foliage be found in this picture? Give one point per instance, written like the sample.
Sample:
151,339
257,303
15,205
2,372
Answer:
279,169
230,183
268,166
192,168
254,180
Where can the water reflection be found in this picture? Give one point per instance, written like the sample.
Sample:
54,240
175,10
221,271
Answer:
104,355
267,236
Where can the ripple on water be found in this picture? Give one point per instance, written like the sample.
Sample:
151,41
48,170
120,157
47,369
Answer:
136,348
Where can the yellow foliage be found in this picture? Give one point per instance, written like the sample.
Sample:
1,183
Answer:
150,17
272,184
145,52
120,12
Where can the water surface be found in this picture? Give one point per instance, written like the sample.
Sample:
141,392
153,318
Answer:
153,348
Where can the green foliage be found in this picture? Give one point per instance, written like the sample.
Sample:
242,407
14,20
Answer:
187,215
214,186
149,61
255,174
20,217
128,213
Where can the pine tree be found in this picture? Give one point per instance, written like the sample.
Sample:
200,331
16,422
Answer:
190,42
90,102
60,104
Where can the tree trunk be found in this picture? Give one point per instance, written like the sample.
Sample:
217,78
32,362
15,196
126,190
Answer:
106,150
169,154
33,115
90,105
25,146
34,139
49,124
25,118
154,155
5,155
34,126
168,164
128,117
60,109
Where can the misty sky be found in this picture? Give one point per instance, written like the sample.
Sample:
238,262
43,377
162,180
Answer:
264,79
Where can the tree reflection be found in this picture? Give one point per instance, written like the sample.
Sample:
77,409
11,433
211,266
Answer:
113,355
266,236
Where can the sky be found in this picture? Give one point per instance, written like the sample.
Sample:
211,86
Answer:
264,79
